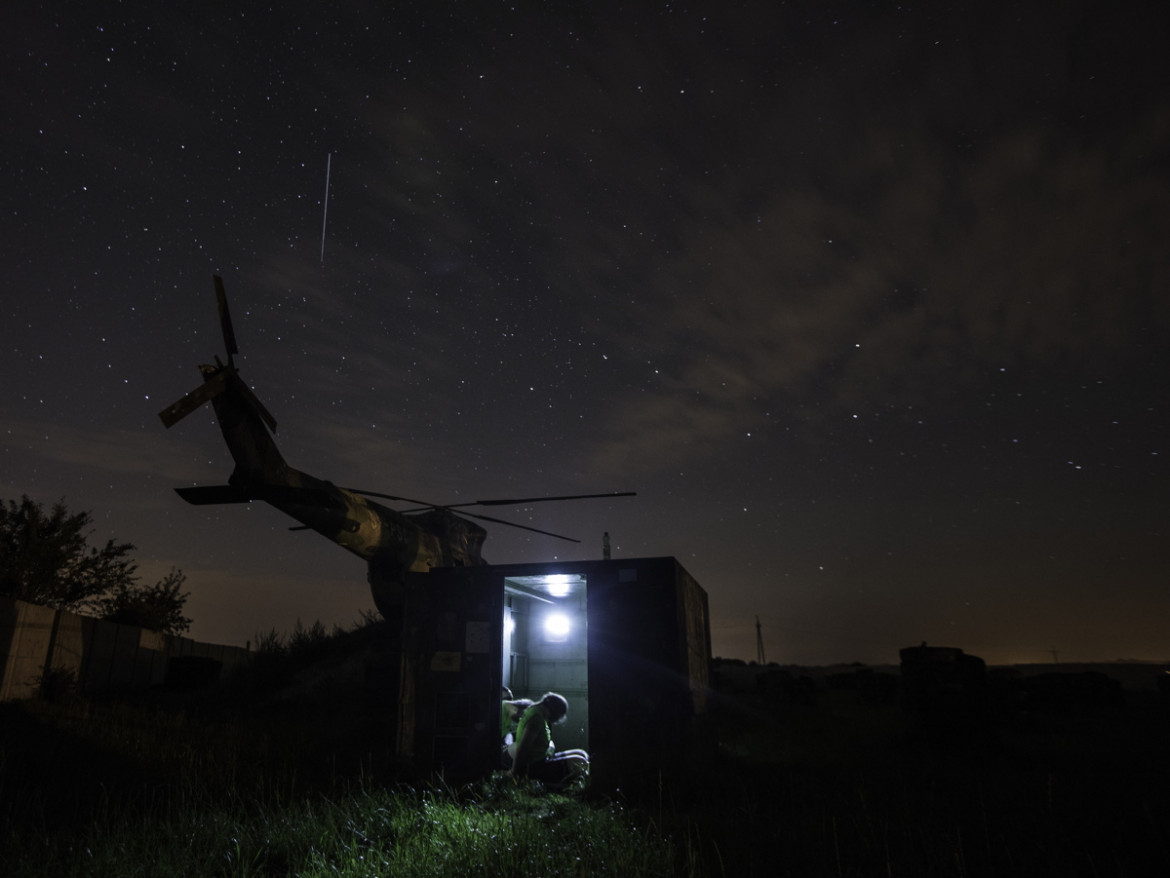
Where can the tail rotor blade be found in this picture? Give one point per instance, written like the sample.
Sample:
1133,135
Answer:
225,319
229,340
205,392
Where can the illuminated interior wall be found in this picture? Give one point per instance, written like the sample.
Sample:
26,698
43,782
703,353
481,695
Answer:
539,657
515,653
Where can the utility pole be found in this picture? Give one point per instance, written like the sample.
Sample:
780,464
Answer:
759,643
1055,655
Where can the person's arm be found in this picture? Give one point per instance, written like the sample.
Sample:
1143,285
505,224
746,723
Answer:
522,749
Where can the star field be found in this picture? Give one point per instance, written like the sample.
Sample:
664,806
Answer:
869,305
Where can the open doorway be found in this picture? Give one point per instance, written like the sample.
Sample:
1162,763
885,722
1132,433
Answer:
545,646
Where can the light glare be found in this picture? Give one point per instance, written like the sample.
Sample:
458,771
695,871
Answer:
557,626
558,585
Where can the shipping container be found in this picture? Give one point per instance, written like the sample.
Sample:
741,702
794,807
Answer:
626,642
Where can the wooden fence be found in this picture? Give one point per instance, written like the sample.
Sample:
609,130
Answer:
39,644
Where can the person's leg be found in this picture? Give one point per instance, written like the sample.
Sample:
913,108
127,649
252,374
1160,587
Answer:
561,768
557,769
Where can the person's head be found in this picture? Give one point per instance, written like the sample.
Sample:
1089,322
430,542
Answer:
555,707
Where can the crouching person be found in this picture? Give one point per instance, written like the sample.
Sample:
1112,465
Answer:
533,753
511,709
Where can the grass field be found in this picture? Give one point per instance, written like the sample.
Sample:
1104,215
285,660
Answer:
243,785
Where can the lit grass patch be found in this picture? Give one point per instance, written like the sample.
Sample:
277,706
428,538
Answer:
496,830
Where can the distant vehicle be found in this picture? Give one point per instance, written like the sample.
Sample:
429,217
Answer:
392,542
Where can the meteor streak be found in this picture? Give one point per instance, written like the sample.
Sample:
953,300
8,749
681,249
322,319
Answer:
325,215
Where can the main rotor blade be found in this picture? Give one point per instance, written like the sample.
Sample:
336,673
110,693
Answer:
524,501
423,503
431,507
520,501
547,533
513,502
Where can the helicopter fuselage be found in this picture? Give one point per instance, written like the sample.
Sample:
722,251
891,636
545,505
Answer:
391,542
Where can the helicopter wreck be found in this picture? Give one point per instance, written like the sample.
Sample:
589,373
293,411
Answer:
393,543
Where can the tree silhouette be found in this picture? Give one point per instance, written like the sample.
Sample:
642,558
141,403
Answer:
158,607
45,558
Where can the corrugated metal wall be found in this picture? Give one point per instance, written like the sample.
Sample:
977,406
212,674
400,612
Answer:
99,656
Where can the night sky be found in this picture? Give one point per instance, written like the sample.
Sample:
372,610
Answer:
869,303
